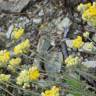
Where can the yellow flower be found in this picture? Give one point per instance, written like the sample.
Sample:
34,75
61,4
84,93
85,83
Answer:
86,34
77,43
22,47
17,33
4,77
89,14
23,78
13,63
54,91
4,56
34,73
26,76
71,60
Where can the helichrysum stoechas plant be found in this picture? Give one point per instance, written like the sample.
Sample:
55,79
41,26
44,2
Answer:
72,60
89,13
26,76
22,47
14,63
17,33
4,57
4,77
78,43
54,91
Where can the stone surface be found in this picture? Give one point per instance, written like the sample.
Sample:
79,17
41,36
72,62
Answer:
89,64
55,60
13,6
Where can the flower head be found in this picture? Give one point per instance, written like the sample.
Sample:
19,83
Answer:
13,63
26,76
34,73
17,33
4,56
4,77
77,43
89,14
22,47
71,60
54,91
23,78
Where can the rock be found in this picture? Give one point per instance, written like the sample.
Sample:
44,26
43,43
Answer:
13,6
94,37
37,20
55,61
43,45
41,13
64,24
10,29
21,21
89,64
42,48
1,1
69,43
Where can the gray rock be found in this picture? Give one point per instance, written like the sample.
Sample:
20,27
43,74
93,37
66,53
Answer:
43,45
89,64
94,37
54,62
65,23
13,6
42,48
41,13
37,20
10,29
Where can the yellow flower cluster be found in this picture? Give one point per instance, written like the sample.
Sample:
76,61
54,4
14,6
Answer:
26,76
22,47
77,43
17,33
34,73
13,63
91,11
71,60
54,91
4,56
88,13
23,78
4,78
